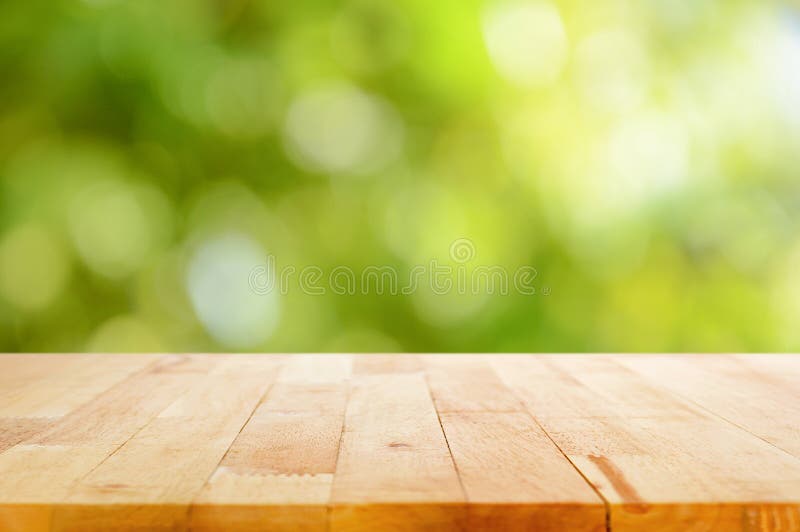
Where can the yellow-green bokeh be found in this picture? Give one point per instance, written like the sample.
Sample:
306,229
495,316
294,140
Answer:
641,155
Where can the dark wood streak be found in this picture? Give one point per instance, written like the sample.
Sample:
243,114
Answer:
633,502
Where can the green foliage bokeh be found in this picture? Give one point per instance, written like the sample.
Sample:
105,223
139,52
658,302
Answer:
641,155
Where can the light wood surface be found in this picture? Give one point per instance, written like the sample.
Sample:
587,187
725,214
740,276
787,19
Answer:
399,442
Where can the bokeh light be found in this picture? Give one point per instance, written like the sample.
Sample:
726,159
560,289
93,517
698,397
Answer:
339,129
115,227
217,282
641,156
33,267
526,41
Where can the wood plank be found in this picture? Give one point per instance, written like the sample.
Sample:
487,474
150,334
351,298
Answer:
15,430
394,469
20,370
660,462
67,384
466,383
115,415
269,442
278,473
781,369
505,461
36,475
386,364
515,478
22,377
150,481
731,390
308,369
55,385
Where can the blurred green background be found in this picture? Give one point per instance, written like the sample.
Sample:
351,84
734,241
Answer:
642,155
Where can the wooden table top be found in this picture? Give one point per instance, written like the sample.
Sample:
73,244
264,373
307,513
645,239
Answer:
399,442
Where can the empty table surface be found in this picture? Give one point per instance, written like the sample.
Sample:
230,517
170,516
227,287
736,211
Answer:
399,442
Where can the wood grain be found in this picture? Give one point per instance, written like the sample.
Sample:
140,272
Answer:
399,442
466,383
394,458
725,386
279,470
661,462
65,382
506,458
38,473
149,482
503,457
